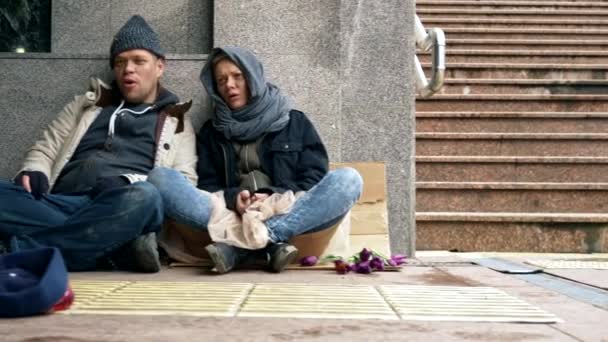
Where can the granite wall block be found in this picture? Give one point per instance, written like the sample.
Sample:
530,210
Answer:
87,26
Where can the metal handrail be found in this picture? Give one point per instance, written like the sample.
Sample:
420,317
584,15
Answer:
433,38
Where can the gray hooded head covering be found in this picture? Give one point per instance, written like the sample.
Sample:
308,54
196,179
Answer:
267,109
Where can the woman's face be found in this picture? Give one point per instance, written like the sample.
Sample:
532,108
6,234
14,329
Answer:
231,84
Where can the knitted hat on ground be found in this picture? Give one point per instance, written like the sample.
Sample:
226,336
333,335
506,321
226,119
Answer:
135,34
31,281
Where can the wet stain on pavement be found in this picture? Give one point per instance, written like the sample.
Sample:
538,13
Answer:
438,277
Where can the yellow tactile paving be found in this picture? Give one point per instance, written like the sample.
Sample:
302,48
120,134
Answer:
159,298
453,303
87,291
316,301
343,301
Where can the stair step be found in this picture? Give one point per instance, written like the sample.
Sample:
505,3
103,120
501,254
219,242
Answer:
512,232
557,115
523,70
519,56
582,23
511,144
511,217
524,33
514,102
513,159
544,186
498,124
567,4
511,169
511,197
507,13
513,136
468,86
527,44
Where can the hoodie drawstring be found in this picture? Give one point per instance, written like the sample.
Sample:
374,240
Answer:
118,112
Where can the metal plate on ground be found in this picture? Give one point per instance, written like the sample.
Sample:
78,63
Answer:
455,303
597,278
596,264
158,298
316,301
506,266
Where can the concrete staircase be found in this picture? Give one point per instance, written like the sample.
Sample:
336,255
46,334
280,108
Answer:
512,153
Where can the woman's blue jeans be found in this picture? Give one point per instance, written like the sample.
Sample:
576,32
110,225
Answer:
319,208
84,229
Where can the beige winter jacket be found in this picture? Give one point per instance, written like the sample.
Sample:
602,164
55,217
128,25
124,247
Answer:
176,142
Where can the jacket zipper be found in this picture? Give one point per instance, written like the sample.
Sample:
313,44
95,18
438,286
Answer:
225,164
255,184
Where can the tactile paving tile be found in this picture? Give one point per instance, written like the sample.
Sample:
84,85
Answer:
316,301
453,303
158,298
87,291
571,264
345,301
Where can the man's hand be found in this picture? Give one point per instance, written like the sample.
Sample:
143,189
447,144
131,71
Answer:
243,201
34,182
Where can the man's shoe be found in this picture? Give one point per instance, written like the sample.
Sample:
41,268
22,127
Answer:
223,256
281,255
145,251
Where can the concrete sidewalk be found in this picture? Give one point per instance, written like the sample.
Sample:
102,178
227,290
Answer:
581,321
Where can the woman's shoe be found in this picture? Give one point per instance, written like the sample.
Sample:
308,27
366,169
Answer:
223,256
281,255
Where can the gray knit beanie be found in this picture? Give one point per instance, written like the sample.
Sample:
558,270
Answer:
135,34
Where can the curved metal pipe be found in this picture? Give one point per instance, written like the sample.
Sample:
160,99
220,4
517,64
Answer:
435,39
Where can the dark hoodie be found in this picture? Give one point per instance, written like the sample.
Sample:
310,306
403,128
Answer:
127,149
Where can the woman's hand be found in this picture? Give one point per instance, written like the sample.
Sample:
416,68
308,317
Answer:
243,201
259,196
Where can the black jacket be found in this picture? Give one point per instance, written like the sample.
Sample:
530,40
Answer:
294,158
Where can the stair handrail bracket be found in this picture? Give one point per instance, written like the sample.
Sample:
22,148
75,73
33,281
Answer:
426,40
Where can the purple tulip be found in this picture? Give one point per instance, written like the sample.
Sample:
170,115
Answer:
398,259
309,261
377,264
365,254
392,262
363,267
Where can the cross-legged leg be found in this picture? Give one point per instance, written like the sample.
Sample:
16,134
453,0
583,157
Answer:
84,229
183,202
320,208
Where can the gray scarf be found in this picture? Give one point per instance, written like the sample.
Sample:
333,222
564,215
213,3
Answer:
267,109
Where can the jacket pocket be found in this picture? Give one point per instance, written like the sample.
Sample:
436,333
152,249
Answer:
285,156
286,146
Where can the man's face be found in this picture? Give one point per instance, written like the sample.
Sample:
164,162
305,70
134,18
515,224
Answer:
137,73
231,84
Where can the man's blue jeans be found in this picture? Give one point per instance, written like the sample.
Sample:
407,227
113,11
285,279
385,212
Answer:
319,208
84,229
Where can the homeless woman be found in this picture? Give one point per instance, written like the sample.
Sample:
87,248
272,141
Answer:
262,170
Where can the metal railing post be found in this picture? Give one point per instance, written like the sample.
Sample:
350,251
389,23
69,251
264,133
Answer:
426,40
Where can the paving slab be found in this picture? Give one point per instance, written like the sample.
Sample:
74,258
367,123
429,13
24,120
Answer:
581,321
